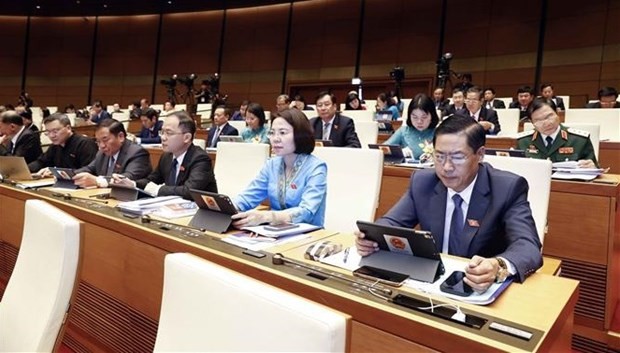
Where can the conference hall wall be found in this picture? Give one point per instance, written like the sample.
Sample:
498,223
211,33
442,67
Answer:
119,59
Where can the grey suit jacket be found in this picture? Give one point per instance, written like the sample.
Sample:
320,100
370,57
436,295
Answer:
133,162
499,218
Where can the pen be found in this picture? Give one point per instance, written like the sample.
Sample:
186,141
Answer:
346,255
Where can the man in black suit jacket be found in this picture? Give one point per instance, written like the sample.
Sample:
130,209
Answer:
607,98
116,155
489,100
220,127
546,91
17,140
98,113
458,102
439,100
150,127
332,126
485,117
182,167
525,97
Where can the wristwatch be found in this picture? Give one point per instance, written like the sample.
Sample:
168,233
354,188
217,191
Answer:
502,273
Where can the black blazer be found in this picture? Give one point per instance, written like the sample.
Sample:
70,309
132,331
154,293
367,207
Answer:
227,130
598,105
489,115
451,109
28,145
342,133
441,106
559,102
196,172
133,162
497,104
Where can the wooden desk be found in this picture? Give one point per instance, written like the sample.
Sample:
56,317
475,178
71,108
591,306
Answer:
583,232
120,286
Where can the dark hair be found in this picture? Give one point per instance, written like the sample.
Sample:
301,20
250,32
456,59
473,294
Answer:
186,123
539,103
27,114
302,131
11,117
300,98
545,85
63,119
286,98
70,106
172,103
606,92
258,111
457,124
150,113
113,125
350,98
489,89
98,104
322,94
477,90
424,103
385,98
227,110
457,90
525,89
245,102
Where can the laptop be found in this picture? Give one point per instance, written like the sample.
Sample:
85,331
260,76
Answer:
214,211
231,138
14,168
504,152
403,250
392,154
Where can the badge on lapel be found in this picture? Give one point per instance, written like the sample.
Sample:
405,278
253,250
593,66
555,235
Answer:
473,223
566,150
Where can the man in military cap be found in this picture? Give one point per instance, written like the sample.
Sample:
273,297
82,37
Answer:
555,142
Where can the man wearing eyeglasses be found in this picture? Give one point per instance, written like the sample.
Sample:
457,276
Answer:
116,155
471,209
487,118
553,141
68,150
183,165
331,125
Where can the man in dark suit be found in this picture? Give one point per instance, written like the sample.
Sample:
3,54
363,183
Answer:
68,149
489,100
183,165
332,126
150,127
458,102
220,126
116,155
471,209
546,91
607,98
485,117
439,100
16,139
525,96
98,113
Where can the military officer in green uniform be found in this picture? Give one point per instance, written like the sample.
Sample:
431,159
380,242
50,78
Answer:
555,142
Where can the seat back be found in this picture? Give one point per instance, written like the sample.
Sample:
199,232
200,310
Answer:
566,100
237,124
345,203
608,119
506,100
204,109
200,143
40,289
593,129
207,307
537,172
359,115
509,121
367,132
237,165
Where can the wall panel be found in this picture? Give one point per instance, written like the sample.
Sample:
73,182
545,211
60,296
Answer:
11,61
59,57
125,58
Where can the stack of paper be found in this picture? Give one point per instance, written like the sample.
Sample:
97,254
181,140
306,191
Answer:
164,206
569,170
256,242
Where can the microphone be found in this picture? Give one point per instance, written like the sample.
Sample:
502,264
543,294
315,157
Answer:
69,197
279,259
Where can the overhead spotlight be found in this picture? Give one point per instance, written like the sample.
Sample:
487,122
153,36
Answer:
105,6
169,2
38,7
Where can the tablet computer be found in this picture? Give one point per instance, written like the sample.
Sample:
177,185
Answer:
392,154
504,152
214,211
403,250
231,138
64,177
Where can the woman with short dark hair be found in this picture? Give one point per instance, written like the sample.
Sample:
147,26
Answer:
256,131
294,181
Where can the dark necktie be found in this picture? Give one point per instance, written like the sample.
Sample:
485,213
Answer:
216,135
110,167
11,147
457,244
549,140
326,131
172,177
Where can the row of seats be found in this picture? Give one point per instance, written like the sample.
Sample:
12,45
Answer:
205,307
